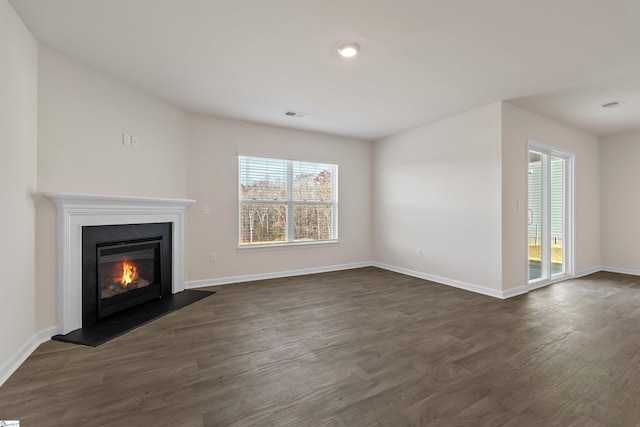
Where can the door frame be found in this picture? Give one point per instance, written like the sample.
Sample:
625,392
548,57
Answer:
569,215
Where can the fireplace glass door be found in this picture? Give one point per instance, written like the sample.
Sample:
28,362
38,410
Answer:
128,274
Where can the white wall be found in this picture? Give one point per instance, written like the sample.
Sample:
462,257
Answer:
213,171
519,126
82,115
620,202
438,188
18,180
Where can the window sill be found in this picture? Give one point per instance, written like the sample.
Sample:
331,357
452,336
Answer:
294,245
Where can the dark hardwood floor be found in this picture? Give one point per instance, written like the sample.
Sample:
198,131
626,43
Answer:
354,348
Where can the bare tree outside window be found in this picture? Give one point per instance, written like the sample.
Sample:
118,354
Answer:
286,201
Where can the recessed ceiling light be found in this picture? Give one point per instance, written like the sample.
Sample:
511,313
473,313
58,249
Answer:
349,50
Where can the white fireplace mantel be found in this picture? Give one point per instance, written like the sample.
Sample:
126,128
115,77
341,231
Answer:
75,211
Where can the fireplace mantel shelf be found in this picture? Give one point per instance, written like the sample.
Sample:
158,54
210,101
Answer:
75,211
63,199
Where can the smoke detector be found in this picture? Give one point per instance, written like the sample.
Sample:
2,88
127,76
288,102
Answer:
613,104
297,114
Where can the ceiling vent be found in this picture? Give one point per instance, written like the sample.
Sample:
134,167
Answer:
297,114
613,104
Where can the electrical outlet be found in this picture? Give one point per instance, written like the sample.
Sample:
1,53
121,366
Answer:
126,139
213,257
135,142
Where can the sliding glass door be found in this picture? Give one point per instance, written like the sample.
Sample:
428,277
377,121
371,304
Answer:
549,225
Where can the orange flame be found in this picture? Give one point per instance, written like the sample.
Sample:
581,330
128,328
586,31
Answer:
129,273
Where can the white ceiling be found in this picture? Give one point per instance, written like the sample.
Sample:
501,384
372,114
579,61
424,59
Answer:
421,60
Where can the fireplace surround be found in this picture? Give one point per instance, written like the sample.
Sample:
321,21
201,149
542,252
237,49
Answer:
78,211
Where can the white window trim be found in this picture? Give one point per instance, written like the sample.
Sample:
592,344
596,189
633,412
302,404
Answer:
290,204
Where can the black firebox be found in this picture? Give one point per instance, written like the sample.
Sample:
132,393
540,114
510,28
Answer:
124,266
129,273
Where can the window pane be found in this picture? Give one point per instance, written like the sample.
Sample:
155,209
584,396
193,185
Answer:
535,215
262,178
557,215
312,181
263,223
312,222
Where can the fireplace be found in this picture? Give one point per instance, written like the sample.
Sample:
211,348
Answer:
124,266
77,213
129,273
96,235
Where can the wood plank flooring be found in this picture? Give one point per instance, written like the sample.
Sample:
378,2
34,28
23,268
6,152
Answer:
354,348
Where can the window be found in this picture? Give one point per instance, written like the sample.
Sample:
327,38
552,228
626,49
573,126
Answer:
287,201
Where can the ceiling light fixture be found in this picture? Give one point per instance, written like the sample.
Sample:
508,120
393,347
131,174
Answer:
349,50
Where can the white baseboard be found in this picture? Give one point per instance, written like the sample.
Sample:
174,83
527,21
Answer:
14,362
192,284
444,281
509,293
588,271
631,271
609,269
